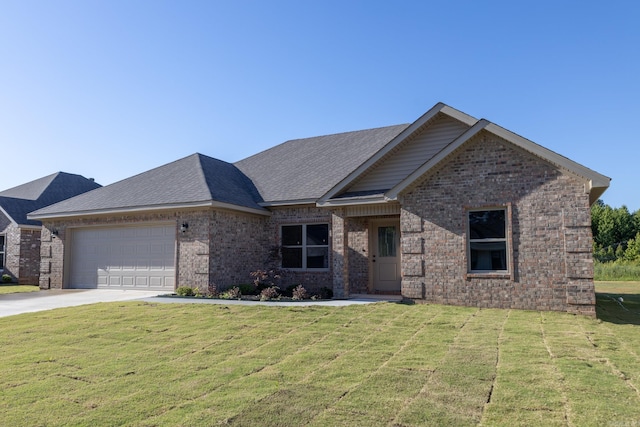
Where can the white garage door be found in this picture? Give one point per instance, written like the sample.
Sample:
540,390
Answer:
141,257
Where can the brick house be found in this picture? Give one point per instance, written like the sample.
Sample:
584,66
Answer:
448,209
20,236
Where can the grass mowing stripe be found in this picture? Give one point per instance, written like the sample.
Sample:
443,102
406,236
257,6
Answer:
528,388
455,394
267,380
365,403
324,387
141,364
587,372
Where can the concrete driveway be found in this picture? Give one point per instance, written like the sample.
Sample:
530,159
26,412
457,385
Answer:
30,302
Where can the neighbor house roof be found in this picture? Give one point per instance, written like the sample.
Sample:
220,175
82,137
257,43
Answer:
302,170
196,180
18,201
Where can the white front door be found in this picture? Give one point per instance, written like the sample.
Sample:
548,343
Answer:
385,255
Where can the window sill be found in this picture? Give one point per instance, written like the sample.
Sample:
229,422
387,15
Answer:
490,275
307,270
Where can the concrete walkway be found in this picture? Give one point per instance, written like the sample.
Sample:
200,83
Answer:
355,299
29,302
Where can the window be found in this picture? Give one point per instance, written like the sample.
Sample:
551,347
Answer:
387,241
305,246
488,240
1,253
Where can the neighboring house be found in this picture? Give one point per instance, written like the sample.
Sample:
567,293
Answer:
20,236
448,209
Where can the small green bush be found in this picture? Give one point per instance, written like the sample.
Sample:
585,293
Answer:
6,278
299,293
185,291
232,293
269,293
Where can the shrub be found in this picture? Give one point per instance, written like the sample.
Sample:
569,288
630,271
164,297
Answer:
185,291
326,293
6,278
232,293
263,279
269,293
247,289
299,292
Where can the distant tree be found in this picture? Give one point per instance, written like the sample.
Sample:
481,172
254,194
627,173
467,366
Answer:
613,227
632,253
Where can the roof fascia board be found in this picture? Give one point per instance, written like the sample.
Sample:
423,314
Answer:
439,107
139,209
459,115
352,201
29,227
392,194
232,207
288,203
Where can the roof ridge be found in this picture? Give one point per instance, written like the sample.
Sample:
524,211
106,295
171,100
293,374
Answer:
201,173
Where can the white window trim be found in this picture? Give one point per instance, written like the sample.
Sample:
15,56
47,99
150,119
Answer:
304,246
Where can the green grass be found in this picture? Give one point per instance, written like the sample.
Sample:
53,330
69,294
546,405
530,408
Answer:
618,302
385,364
12,288
617,271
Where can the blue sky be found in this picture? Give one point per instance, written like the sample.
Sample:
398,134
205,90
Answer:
109,89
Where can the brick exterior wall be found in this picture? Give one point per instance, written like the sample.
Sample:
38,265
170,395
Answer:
550,234
313,281
12,251
22,252
29,272
218,250
358,254
238,247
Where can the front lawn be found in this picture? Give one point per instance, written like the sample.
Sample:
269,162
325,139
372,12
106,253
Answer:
145,364
12,288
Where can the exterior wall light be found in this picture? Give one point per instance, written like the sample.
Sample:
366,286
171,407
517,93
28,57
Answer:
184,227
54,233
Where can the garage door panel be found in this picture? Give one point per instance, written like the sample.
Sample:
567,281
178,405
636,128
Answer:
139,257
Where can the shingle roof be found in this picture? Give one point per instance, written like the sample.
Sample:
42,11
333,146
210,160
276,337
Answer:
18,201
305,169
193,179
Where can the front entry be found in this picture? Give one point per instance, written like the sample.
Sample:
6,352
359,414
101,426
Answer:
385,256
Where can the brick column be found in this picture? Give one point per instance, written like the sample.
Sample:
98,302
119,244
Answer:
52,257
412,247
581,297
340,262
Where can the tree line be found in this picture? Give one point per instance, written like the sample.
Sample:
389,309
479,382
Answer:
616,233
